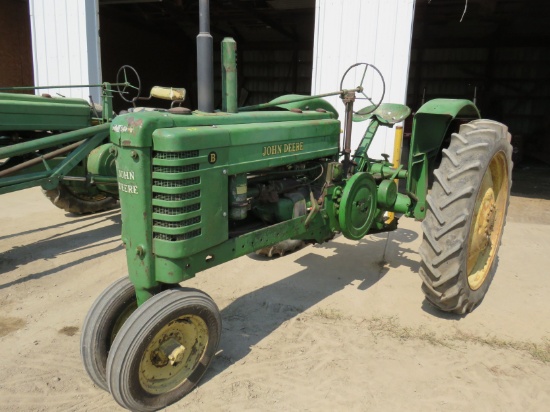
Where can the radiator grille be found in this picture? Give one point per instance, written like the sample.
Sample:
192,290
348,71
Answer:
176,155
177,197
177,225
176,169
173,211
183,181
176,238
177,183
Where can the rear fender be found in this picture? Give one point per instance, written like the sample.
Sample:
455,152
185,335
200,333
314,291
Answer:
430,126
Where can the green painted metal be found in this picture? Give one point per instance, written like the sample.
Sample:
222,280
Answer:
101,163
403,204
430,126
301,102
135,181
15,183
52,141
27,112
79,154
360,155
229,76
386,194
50,129
298,101
386,171
107,99
358,206
387,114
52,171
178,269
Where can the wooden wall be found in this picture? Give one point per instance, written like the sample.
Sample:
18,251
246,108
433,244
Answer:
15,44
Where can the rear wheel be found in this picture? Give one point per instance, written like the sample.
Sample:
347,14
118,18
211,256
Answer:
466,216
163,349
78,202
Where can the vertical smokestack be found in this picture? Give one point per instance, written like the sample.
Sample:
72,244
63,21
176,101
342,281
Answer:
205,72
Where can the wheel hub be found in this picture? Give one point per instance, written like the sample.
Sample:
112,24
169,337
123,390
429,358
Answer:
173,354
484,223
488,221
171,351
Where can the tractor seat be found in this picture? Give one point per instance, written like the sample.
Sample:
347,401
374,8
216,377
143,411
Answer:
387,114
176,95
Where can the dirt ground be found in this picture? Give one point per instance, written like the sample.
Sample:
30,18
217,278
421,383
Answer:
338,326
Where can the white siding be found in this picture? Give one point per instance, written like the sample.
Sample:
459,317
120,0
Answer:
65,40
371,31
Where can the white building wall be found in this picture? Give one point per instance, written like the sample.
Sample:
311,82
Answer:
65,42
372,31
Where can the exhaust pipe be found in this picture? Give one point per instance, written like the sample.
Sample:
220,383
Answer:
205,71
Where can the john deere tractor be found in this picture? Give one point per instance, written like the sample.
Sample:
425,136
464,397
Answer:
200,188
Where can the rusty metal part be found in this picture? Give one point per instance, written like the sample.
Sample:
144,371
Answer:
171,351
348,98
179,110
38,160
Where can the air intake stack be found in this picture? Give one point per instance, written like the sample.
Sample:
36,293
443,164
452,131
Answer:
205,72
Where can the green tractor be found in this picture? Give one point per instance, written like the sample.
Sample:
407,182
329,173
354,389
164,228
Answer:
55,142
200,188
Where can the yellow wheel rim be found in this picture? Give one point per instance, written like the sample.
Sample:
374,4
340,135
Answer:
173,354
487,220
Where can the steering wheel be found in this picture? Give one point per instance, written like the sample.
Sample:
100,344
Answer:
360,88
122,81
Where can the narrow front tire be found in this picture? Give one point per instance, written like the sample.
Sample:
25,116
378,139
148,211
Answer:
163,349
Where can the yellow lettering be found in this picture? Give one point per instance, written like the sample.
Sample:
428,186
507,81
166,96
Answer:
282,148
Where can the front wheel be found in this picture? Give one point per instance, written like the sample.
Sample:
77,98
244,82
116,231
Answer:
103,321
465,217
163,349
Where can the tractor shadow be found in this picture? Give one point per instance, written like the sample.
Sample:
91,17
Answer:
80,234
75,220
254,316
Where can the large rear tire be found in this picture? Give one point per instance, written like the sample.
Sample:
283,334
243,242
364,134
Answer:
465,217
79,203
